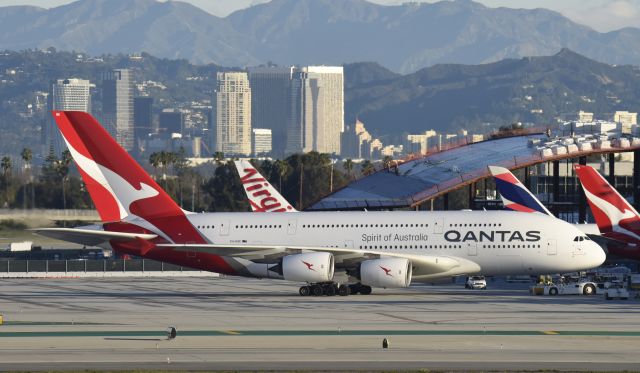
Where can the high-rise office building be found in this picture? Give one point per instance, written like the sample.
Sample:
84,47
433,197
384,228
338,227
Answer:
316,115
355,141
261,141
270,94
66,94
232,114
142,117
171,121
117,106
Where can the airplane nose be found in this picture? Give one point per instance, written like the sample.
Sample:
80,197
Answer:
596,255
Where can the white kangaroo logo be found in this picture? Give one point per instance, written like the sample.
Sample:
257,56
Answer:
613,213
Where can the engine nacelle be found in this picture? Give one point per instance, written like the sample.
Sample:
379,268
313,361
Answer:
308,267
386,272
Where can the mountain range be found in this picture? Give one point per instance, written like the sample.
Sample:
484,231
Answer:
478,97
445,97
403,38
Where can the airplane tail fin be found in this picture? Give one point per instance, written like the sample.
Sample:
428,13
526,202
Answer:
118,186
515,196
613,214
262,196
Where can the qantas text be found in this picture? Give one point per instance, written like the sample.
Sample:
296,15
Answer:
492,236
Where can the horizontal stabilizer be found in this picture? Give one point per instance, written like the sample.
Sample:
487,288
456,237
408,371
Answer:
90,237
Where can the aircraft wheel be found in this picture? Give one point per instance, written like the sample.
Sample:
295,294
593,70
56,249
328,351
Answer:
365,290
344,290
330,290
589,290
305,290
317,290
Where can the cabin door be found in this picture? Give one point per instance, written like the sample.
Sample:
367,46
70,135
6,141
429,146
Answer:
472,248
224,228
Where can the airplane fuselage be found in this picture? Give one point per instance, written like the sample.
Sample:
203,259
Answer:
500,242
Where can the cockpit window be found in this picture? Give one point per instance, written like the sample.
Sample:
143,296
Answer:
580,238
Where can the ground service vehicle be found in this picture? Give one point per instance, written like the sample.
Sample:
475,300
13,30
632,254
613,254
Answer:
476,282
616,290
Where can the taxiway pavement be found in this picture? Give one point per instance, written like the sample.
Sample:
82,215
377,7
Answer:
233,323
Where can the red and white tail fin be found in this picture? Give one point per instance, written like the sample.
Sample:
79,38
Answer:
614,216
118,186
262,196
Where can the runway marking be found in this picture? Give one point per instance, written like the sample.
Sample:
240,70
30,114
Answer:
231,332
292,333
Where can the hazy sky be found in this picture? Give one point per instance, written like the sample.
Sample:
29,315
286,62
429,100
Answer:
602,15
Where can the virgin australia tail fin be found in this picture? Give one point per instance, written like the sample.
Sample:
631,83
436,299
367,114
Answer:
262,196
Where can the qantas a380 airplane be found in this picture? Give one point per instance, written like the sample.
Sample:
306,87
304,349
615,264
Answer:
325,250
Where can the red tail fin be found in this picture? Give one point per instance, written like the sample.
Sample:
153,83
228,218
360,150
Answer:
119,187
614,215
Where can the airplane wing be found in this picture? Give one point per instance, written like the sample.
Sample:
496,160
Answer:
424,266
90,236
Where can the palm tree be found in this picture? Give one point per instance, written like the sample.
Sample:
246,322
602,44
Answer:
27,156
348,166
218,157
63,170
387,161
6,165
283,171
154,161
367,167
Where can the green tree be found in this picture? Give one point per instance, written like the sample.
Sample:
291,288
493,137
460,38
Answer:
386,161
6,165
27,156
225,191
347,165
284,169
154,161
218,157
62,168
311,175
367,167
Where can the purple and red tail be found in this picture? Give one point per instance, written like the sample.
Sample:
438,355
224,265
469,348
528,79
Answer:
515,196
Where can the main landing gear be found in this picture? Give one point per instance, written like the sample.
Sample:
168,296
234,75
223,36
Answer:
332,288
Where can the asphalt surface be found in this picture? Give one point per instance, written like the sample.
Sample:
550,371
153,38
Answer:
239,324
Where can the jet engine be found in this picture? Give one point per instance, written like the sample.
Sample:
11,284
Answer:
386,272
308,267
